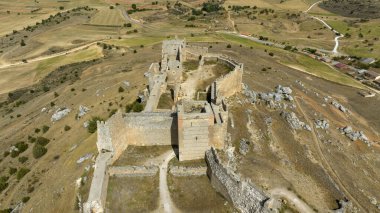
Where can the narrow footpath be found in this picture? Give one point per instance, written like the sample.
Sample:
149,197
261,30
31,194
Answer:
166,203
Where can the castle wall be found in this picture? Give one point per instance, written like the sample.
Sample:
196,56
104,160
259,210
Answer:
193,52
229,84
158,87
194,133
242,193
148,129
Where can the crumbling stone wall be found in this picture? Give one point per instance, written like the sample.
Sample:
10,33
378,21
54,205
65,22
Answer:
193,52
229,84
243,194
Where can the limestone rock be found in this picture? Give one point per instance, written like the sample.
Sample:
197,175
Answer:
60,113
244,146
82,111
294,121
322,124
339,106
355,135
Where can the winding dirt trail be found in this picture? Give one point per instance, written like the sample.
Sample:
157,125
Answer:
41,58
291,197
338,34
323,159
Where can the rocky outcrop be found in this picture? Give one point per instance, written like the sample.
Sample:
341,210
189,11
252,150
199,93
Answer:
322,124
60,113
354,135
242,193
294,121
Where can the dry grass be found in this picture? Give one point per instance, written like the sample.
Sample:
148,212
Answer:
132,194
195,194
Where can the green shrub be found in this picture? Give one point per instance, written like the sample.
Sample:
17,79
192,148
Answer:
21,146
92,125
22,159
112,112
42,141
37,130
39,151
12,170
134,107
67,128
121,89
3,183
25,199
31,139
21,173
228,45
6,153
9,210
45,128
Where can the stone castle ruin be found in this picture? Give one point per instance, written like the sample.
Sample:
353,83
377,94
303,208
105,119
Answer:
193,124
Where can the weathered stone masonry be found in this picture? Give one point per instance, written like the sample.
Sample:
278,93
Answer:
194,126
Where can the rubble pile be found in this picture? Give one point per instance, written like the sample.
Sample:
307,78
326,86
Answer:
294,122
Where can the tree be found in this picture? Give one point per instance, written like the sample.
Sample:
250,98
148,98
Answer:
134,6
228,45
22,43
121,89
61,7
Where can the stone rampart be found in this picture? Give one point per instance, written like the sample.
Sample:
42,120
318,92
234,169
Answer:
229,84
132,171
148,128
98,191
243,194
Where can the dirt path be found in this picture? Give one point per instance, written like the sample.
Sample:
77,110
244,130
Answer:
166,203
291,197
41,58
323,159
338,34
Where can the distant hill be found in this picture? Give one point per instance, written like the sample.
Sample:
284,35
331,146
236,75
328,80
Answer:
353,8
